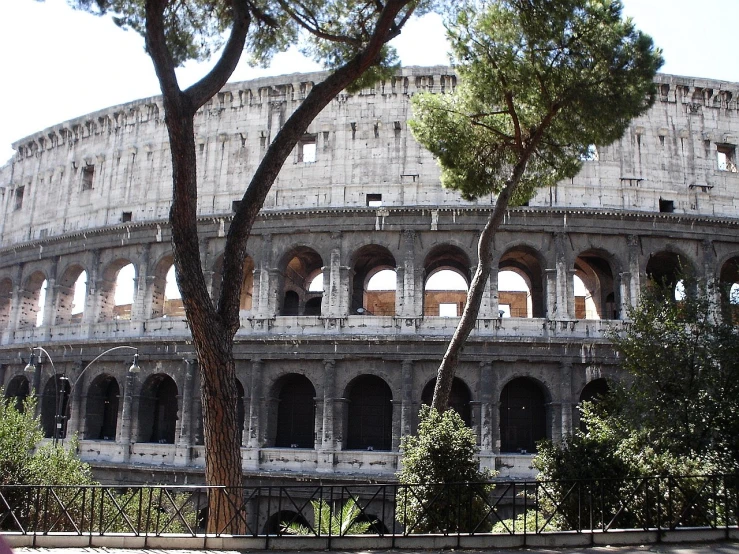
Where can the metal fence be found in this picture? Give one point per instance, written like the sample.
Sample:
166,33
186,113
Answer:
389,510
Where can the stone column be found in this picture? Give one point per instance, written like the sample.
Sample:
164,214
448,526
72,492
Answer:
336,287
625,294
412,300
77,406
565,368
141,309
406,402
3,372
126,423
94,285
563,283
397,416
552,299
634,247
255,431
184,438
329,393
486,402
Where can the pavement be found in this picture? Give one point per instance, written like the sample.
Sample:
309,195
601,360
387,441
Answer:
683,548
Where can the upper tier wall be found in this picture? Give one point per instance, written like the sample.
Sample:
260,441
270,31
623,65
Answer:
114,166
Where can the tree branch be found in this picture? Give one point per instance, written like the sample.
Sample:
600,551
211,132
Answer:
318,98
202,91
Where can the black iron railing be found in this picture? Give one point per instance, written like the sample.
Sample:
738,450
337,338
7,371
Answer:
498,507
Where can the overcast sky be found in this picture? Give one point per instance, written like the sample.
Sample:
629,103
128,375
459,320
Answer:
58,64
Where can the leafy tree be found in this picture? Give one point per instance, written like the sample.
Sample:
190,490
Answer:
346,522
444,489
351,37
541,81
675,415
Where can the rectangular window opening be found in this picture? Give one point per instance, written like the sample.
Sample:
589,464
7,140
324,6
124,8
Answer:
726,156
374,200
448,310
126,217
19,197
666,206
235,205
307,150
88,175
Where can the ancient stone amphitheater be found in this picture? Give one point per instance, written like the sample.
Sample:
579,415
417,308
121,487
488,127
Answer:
356,273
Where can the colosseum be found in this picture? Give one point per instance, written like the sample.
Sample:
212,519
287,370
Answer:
356,273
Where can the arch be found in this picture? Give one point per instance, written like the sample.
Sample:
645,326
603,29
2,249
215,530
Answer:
71,292
161,303
514,294
55,407
459,398
301,265
523,419
526,262
296,412
101,417
592,392
246,299
158,410
6,301
277,522
18,389
729,287
117,291
370,414
443,293
665,270
33,298
367,262
599,297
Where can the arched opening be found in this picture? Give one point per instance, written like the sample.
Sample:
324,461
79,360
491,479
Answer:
595,293
592,392
296,412
33,298
666,271
101,419
523,419
246,298
448,276
163,272
379,296
729,285
116,291
370,414
6,297
378,299
514,294
17,391
524,262
459,398
279,521
158,410
303,267
71,293
173,306
55,407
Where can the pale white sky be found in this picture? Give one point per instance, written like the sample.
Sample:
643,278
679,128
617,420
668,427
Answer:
58,64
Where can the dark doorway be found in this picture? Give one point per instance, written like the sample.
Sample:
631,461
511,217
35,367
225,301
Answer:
370,414
296,413
522,416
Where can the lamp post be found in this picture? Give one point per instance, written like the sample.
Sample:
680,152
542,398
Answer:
59,405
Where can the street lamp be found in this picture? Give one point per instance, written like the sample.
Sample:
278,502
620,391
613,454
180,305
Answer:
59,401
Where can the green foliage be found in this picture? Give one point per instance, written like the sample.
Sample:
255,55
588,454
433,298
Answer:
532,521
675,416
540,82
331,32
22,462
345,522
684,361
445,490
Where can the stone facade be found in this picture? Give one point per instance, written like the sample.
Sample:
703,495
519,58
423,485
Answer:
332,371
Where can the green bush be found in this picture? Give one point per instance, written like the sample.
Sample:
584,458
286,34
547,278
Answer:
443,490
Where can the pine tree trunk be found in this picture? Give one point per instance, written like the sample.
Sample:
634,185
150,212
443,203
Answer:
448,366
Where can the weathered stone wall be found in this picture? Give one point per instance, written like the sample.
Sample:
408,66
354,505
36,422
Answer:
649,206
